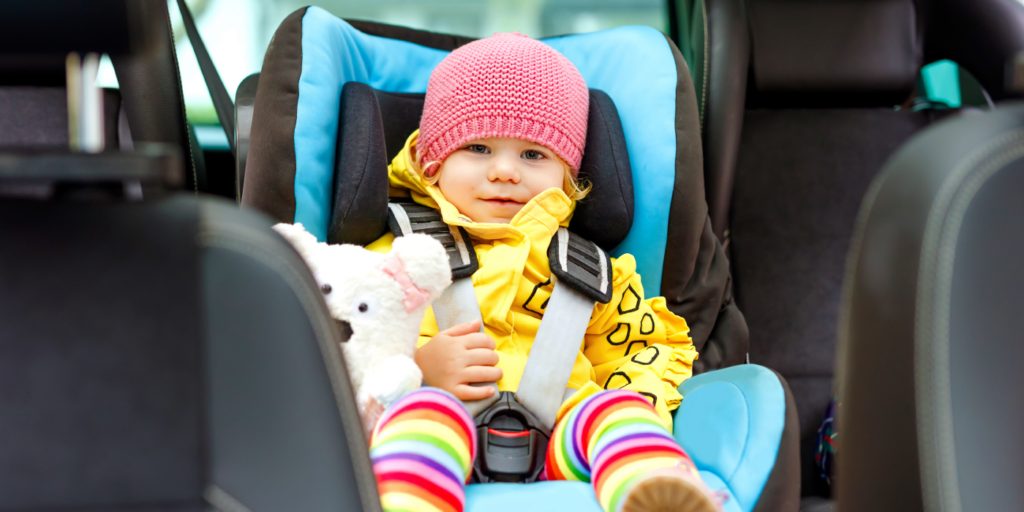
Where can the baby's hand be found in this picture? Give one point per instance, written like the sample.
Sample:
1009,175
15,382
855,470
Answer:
454,358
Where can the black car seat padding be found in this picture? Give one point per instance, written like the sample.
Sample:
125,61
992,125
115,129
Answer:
150,87
359,212
374,126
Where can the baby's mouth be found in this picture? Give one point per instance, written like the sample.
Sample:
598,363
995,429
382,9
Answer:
503,201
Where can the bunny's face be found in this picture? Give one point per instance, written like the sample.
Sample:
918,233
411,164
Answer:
377,299
358,293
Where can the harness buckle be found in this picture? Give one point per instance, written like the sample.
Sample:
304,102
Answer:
512,443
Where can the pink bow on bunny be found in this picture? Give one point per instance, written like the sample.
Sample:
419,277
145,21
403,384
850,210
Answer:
395,268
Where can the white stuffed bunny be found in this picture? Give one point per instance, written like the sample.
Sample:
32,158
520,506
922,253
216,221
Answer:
381,298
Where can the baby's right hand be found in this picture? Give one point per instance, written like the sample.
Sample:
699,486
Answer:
456,357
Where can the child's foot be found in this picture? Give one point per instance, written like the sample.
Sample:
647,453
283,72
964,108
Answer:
671,490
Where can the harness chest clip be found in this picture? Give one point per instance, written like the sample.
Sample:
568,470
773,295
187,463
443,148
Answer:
512,443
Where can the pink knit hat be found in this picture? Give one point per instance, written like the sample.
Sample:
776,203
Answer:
507,85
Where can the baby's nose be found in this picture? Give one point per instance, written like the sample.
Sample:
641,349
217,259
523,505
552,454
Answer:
505,170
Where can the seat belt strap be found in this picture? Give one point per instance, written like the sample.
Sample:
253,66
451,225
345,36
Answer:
458,304
583,278
218,93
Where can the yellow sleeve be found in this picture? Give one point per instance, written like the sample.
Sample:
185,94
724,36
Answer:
639,344
428,329
382,244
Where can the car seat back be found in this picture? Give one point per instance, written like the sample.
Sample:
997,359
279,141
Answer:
169,354
292,173
819,124
820,121
35,39
159,351
930,376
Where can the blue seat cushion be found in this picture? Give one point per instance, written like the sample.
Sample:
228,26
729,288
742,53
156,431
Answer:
730,423
536,497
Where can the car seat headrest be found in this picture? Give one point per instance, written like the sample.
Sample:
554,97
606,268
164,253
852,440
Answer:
297,134
35,37
374,125
836,53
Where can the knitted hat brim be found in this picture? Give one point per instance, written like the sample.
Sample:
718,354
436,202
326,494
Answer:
538,132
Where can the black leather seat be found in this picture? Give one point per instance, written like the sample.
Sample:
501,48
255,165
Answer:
714,38
163,352
931,327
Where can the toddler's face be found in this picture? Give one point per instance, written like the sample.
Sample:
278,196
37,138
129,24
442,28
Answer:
490,180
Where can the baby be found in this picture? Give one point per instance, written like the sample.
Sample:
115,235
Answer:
497,153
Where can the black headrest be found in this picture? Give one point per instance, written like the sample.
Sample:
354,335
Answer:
374,125
833,52
35,37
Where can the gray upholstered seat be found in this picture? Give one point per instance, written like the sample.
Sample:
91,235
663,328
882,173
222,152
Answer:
931,330
158,351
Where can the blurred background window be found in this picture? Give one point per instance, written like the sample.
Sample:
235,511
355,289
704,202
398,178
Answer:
237,32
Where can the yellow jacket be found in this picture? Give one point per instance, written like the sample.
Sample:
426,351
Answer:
631,343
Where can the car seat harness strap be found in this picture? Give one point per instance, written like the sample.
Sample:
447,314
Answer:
582,272
519,424
458,304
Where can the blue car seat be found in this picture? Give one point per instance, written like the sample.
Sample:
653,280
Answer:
335,101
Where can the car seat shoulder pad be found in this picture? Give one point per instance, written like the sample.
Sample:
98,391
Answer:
582,265
408,217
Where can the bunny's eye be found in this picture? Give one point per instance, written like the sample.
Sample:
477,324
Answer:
365,306
326,288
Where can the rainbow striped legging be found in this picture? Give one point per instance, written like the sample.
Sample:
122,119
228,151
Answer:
424,445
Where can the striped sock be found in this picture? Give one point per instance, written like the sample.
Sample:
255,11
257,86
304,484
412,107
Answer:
614,439
422,451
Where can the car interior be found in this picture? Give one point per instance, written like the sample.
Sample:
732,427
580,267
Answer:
842,234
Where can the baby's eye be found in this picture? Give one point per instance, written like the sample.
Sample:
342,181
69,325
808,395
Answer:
478,148
532,154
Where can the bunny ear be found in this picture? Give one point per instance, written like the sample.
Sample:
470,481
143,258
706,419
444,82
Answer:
303,241
425,261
